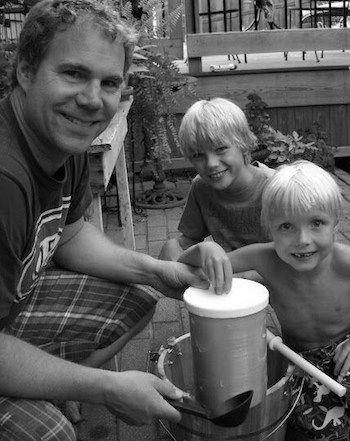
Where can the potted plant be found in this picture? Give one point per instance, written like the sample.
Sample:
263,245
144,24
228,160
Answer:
158,89
6,55
275,148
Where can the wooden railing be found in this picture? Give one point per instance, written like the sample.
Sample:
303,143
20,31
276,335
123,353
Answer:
257,42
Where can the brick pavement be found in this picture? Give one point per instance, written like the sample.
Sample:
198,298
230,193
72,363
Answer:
151,229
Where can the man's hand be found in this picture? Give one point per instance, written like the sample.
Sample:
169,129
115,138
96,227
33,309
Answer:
342,360
213,260
172,278
137,398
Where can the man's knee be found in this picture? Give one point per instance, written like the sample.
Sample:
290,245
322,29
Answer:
24,420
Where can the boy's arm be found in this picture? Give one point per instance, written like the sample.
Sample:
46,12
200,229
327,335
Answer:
173,248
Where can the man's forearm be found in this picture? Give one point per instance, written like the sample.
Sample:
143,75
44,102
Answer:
28,372
91,252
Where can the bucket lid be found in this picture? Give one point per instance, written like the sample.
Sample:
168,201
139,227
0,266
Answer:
246,297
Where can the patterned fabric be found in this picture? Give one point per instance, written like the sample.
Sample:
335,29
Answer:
71,315
320,413
68,315
29,420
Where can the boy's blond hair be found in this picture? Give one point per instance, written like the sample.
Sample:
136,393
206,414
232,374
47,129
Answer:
298,188
215,122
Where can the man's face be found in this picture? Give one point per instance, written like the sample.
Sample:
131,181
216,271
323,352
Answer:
75,92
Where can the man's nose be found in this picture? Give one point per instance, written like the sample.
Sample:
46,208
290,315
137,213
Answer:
90,96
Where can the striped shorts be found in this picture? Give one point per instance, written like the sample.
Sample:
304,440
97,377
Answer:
68,315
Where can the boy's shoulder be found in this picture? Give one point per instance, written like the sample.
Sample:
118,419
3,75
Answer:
342,256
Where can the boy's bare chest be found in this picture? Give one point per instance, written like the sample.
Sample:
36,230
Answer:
316,310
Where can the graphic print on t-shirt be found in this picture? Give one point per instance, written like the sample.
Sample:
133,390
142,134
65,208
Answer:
48,231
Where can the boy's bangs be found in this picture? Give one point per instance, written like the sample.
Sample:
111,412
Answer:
300,199
204,140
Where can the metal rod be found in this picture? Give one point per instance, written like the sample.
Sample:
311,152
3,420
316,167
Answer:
275,343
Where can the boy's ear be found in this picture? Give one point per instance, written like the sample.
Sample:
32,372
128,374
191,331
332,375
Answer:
24,74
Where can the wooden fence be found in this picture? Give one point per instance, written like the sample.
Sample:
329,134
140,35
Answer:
267,41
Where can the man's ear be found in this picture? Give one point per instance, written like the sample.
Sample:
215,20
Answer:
24,74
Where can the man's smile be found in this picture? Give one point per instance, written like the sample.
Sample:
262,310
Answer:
78,121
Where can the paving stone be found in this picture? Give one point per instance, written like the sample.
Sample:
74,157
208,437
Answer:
173,225
156,219
136,433
174,213
167,309
157,233
140,227
140,242
135,355
175,234
147,332
98,424
164,330
155,247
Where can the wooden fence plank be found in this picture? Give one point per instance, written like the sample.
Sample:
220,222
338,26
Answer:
321,114
285,119
340,134
266,41
303,118
280,89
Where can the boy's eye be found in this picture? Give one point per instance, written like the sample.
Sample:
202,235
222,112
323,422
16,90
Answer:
286,226
196,155
221,149
317,222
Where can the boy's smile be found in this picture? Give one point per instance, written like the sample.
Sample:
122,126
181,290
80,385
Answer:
303,241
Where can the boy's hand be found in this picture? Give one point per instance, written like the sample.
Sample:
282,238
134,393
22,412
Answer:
214,262
342,360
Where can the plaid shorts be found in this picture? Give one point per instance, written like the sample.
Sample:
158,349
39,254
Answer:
69,315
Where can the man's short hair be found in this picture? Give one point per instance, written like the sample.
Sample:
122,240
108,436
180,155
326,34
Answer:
48,17
297,188
216,122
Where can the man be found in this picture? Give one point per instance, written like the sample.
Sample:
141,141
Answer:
59,324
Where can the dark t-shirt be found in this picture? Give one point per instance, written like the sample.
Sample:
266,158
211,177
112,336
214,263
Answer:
34,208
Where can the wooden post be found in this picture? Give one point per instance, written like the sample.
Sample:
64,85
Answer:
106,155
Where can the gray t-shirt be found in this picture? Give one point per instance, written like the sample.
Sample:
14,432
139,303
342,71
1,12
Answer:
231,224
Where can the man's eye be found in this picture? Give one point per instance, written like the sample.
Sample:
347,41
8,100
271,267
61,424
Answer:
221,149
112,84
74,74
